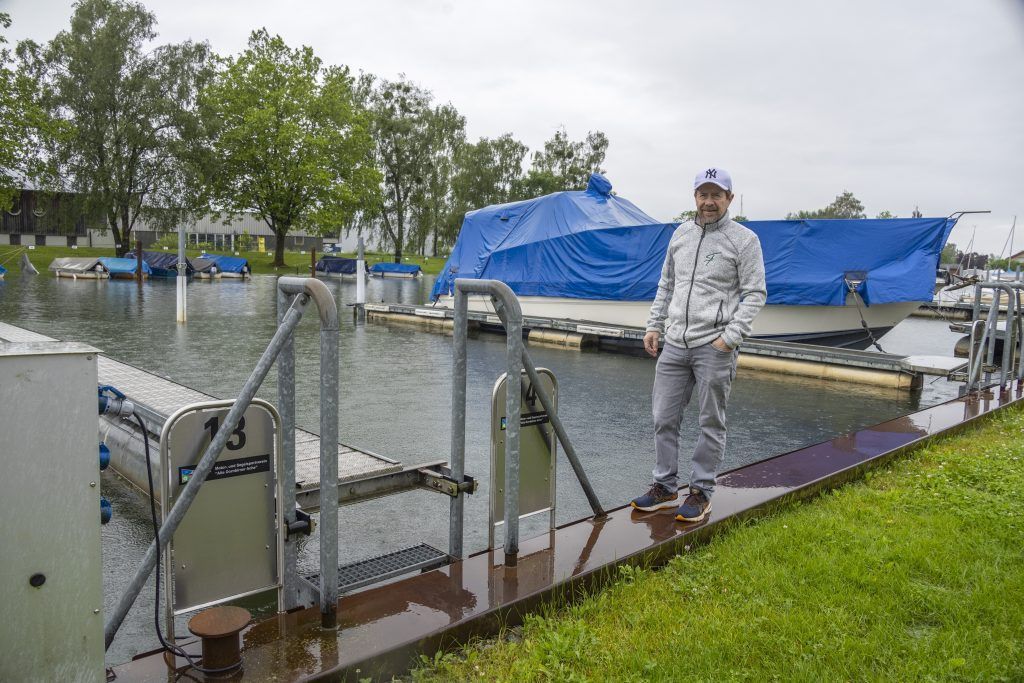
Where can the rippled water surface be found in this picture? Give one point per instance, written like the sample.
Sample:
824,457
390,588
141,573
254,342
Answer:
395,400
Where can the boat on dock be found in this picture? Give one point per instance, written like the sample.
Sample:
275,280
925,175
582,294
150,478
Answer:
399,270
594,257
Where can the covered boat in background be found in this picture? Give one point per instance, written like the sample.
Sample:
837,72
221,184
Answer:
165,263
75,267
405,270
124,268
338,267
228,266
591,256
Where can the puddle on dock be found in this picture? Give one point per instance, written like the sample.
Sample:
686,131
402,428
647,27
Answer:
395,400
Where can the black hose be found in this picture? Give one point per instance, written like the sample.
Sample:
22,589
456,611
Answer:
173,649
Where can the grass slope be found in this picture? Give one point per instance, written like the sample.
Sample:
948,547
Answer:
914,574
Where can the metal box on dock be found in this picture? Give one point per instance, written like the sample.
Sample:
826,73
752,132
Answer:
50,565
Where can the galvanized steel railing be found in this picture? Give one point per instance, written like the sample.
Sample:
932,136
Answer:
293,295
507,307
983,337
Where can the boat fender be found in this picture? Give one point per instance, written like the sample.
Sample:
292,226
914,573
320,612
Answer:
106,510
104,456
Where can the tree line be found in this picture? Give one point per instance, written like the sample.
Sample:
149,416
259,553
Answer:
164,134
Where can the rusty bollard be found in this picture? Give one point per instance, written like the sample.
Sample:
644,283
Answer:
219,628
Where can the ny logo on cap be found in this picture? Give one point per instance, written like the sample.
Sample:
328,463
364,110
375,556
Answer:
711,173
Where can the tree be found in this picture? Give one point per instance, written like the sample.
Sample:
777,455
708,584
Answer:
119,118
844,206
401,115
948,254
564,164
434,204
19,117
292,144
886,214
685,216
489,171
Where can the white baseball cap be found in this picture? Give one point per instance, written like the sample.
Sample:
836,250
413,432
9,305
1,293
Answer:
718,176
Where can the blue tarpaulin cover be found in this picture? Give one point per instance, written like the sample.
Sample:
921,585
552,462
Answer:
2,271
165,263
228,264
394,268
594,245
336,264
122,266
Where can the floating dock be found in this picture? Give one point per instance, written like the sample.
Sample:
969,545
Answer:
384,629
361,474
765,355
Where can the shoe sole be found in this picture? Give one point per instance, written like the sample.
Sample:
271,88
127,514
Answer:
698,518
664,505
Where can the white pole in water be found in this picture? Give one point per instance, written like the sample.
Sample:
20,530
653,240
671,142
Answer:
360,308
360,272
182,276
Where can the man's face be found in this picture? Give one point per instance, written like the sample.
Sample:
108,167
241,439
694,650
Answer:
712,202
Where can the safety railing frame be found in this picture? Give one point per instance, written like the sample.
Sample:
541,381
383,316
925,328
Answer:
981,352
510,313
299,292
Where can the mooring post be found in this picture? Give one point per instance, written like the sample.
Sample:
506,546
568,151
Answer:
138,261
360,307
458,455
312,262
181,280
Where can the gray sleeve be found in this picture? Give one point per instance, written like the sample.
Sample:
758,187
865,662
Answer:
752,293
667,283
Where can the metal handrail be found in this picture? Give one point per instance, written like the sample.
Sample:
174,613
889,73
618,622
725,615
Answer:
517,358
301,291
982,353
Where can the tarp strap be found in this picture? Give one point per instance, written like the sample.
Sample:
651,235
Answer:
852,286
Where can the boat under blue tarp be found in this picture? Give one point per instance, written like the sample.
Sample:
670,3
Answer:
121,267
229,265
337,265
165,263
395,269
594,245
3,271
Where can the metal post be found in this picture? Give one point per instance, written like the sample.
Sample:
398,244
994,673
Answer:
360,307
514,345
138,261
286,409
191,490
458,450
182,280
312,262
976,306
329,369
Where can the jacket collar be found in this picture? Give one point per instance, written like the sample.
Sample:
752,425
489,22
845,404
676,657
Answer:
715,225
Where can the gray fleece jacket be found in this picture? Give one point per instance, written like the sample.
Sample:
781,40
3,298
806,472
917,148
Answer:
712,284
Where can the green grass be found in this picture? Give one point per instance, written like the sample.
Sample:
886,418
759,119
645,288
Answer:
295,262
914,574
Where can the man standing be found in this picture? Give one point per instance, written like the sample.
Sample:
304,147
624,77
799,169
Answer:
711,288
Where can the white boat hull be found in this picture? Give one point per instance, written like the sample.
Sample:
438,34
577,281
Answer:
830,325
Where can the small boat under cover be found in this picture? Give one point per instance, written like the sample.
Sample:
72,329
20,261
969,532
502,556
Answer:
405,270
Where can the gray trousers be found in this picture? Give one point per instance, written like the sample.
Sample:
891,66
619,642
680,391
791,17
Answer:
679,371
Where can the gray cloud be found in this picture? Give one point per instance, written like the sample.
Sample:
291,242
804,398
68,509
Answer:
909,103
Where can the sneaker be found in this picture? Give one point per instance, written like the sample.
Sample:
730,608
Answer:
695,507
656,498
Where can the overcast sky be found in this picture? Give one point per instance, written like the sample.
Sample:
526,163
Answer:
902,103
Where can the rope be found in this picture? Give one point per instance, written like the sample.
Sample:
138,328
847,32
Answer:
12,255
860,312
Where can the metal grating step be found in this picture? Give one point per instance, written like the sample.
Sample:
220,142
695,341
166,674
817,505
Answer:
374,569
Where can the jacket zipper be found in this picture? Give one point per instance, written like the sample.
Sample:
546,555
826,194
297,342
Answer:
686,327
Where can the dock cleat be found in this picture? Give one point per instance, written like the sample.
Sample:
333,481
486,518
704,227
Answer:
656,498
695,507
